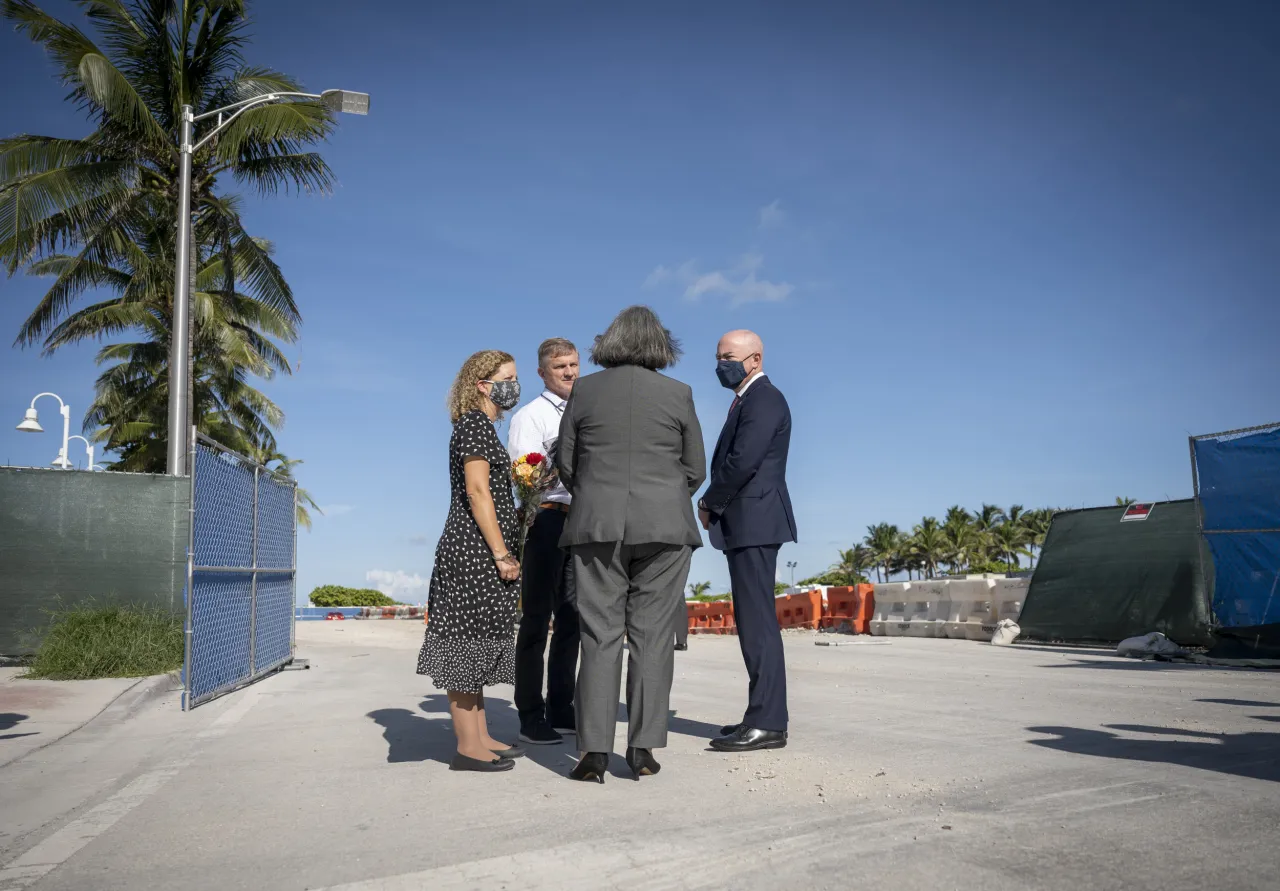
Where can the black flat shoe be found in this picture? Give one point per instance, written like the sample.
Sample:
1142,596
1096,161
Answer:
642,763
749,739
509,752
680,648
593,766
462,762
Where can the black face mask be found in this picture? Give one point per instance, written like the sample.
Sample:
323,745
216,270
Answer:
731,373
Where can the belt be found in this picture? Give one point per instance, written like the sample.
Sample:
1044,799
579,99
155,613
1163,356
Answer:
554,505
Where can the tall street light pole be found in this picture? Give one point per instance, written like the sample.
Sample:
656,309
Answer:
179,340
342,101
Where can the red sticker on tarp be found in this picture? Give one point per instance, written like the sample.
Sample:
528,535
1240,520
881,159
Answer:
1136,512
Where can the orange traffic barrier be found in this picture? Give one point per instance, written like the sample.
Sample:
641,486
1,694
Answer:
711,618
850,606
799,610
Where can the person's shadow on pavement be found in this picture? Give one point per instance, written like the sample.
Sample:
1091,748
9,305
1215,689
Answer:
411,737
1252,754
10,720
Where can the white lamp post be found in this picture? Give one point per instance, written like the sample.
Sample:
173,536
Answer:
31,424
88,447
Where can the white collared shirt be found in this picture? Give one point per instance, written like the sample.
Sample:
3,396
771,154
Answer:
746,385
535,428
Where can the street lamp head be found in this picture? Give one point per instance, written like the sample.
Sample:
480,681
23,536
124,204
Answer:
31,423
61,461
345,101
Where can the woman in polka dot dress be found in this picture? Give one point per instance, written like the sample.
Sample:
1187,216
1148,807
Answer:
471,609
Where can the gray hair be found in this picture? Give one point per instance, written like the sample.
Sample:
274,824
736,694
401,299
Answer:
636,337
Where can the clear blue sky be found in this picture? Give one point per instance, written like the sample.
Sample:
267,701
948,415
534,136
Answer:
1002,251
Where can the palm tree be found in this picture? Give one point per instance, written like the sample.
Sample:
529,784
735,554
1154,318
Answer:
1015,515
697,589
963,544
928,545
853,564
130,409
1038,523
97,213
882,541
1008,541
283,465
1123,501
985,524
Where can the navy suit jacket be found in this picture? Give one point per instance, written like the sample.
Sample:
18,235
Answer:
748,498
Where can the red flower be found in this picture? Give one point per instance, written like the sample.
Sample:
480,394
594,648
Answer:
534,458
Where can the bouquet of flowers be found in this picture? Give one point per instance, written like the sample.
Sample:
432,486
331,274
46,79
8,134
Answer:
533,474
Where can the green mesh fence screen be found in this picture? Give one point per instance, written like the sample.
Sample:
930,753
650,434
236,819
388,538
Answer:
66,536
1102,580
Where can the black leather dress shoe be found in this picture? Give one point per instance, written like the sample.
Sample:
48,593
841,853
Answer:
749,739
731,729
681,647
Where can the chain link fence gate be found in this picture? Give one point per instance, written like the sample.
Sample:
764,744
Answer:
241,572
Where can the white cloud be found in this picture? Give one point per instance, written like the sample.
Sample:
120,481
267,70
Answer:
772,215
336,510
398,584
738,282
663,274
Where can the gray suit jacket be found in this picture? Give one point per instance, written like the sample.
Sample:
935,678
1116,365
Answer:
630,452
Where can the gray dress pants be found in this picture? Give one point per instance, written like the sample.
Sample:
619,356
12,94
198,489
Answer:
633,593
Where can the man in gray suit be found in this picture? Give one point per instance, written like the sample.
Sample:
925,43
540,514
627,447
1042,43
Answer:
631,455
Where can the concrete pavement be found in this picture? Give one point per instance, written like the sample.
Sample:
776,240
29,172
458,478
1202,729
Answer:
34,714
917,764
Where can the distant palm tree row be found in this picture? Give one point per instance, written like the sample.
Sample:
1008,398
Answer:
991,539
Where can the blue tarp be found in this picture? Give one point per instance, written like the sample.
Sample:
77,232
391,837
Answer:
1239,491
1247,582
1240,481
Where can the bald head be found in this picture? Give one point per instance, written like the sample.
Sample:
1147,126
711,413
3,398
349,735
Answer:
743,347
741,343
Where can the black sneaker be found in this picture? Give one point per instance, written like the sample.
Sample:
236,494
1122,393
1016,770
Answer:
565,726
539,734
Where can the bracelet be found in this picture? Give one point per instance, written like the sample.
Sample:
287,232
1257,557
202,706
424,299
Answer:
499,559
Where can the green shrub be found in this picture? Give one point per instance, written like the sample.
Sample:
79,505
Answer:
709,598
994,567
834,578
89,641
337,595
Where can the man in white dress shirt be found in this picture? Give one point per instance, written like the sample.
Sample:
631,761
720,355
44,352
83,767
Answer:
546,586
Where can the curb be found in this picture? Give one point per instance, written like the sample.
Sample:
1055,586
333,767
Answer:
125,704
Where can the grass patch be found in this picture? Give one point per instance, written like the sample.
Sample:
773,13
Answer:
90,641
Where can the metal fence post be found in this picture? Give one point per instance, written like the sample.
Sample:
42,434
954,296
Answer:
191,561
293,562
253,578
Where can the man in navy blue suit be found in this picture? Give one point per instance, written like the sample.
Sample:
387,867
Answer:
747,511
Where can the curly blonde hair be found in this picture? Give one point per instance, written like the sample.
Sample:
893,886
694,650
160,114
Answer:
464,396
